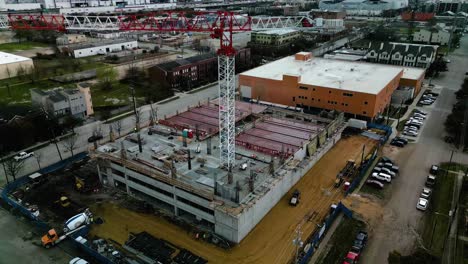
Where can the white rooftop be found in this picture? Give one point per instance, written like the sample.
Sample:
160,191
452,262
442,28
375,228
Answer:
337,74
412,73
6,58
280,31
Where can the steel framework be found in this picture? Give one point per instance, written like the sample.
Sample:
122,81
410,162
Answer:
220,25
113,22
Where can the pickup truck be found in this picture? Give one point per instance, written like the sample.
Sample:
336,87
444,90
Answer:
23,155
295,198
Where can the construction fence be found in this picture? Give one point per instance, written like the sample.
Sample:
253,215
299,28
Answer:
369,159
314,240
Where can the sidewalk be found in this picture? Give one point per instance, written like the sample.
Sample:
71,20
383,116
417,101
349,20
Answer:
323,247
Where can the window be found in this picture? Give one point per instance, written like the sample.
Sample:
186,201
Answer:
329,91
364,112
348,94
303,88
313,89
365,102
294,99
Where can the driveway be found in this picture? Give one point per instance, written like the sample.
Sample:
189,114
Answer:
397,230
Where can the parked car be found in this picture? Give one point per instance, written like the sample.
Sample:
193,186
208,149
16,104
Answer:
420,115
360,241
377,169
426,193
351,258
422,204
418,118
395,169
382,177
375,184
78,261
94,138
397,143
431,180
425,102
389,172
434,170
23,155
410,133
404,140
420,111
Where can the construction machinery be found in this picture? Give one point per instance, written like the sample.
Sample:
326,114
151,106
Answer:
72,225
86,183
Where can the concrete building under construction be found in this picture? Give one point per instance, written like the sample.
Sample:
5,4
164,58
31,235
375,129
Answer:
178,168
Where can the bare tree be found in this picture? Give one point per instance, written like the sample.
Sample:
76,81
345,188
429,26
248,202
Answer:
118,126
38,157
70,143
13,167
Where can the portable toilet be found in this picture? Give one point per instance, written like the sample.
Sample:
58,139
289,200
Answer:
346,186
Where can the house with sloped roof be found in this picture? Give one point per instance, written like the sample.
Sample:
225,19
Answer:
404,54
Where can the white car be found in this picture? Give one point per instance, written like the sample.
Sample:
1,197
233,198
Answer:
422,204
419,115
410,133
379,177
78,261
23,155
426,193
424,102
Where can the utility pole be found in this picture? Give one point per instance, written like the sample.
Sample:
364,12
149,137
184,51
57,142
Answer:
137,118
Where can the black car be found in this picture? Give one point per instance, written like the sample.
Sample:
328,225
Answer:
404,140
360,241
375,183
397,143
95,138
385,160
434,170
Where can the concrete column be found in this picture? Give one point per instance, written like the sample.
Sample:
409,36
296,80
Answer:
126,181
176,209
99,173
110,177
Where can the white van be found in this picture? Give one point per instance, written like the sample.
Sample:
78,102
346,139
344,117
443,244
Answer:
381,178
387,177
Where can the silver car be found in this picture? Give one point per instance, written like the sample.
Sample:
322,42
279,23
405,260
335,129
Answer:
422,204
426,193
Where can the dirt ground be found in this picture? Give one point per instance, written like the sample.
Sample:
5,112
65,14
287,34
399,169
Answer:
271,240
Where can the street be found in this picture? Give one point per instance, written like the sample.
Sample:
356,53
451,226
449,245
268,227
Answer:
401,221
49,153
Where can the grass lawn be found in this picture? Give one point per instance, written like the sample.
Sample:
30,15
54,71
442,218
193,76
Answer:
436,220
341,241
19,94
118,95
9,47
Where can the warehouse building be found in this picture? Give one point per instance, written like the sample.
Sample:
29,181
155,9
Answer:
99,48
359,89
12,65
275,37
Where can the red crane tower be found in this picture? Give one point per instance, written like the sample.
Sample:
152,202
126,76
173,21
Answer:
220,25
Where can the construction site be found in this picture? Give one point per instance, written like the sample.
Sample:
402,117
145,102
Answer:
174,201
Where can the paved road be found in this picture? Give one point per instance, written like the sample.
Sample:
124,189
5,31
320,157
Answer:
398,228
49,154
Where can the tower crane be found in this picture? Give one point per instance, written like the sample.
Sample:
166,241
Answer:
219,24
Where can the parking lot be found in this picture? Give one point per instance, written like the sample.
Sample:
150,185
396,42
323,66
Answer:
397,229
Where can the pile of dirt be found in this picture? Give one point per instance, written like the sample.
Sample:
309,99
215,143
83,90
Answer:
368,208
